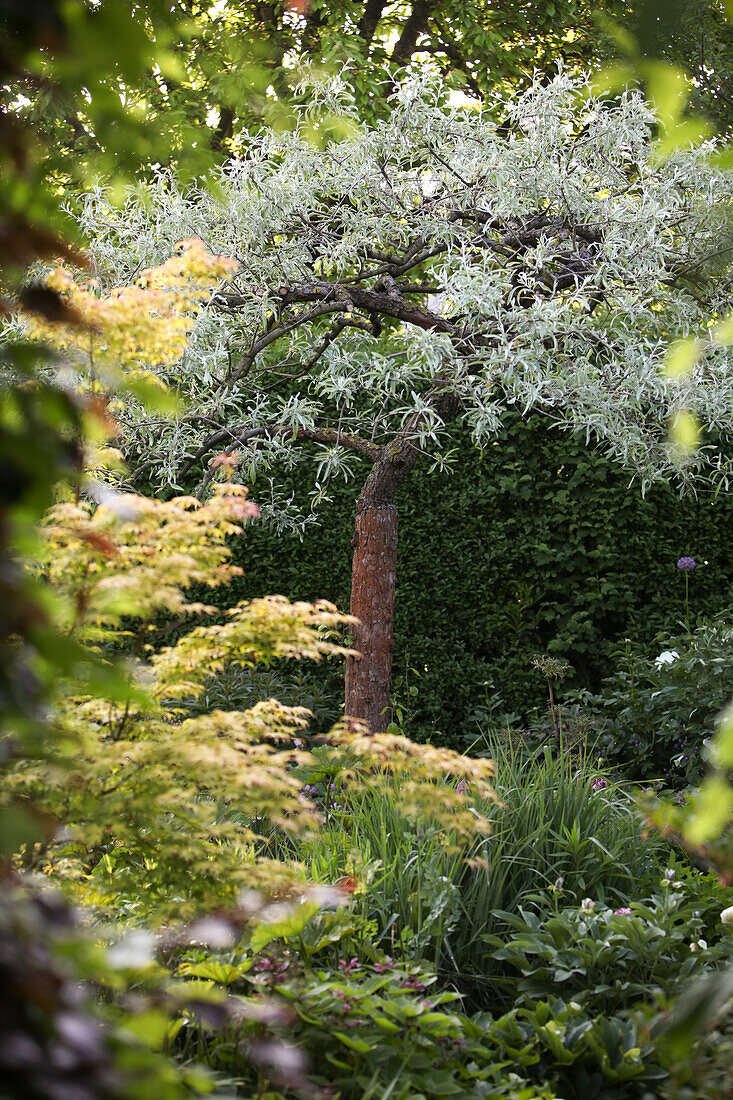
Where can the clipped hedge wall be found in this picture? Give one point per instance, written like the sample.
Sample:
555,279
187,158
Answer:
536,544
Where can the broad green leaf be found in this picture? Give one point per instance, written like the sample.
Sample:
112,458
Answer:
151,1028
291,924
220,972
359,1045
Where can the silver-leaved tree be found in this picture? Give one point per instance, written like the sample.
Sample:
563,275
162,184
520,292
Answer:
429,269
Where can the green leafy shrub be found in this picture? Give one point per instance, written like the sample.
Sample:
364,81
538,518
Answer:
365,1026
655,713
580,973
357,1023
381,1029
604,959
561,1045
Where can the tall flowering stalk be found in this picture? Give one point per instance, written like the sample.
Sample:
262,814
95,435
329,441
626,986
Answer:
687,565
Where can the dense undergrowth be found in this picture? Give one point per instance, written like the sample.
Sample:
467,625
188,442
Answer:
560,829
476,972
287,914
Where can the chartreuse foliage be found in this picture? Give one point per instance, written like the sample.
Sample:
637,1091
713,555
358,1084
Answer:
135,783
167,807
54,434
56,431
131,329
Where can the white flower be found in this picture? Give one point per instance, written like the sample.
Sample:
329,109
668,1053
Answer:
587,905
727,915
668,657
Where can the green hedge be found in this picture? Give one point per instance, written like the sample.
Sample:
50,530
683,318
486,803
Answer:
536,544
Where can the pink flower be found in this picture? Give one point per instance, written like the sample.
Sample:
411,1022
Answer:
623,912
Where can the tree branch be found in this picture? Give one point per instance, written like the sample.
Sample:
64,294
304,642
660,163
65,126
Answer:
238,436
390,304
397,458
337,438
274,334
370,20
413,28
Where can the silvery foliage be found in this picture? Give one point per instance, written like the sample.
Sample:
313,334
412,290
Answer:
587,355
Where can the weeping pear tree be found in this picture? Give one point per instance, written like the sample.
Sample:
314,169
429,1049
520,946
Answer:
431,269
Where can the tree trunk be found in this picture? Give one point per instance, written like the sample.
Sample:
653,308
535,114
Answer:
370,19
413,28
368,677
374,571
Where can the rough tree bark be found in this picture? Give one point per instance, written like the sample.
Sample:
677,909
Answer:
373,574
373,582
